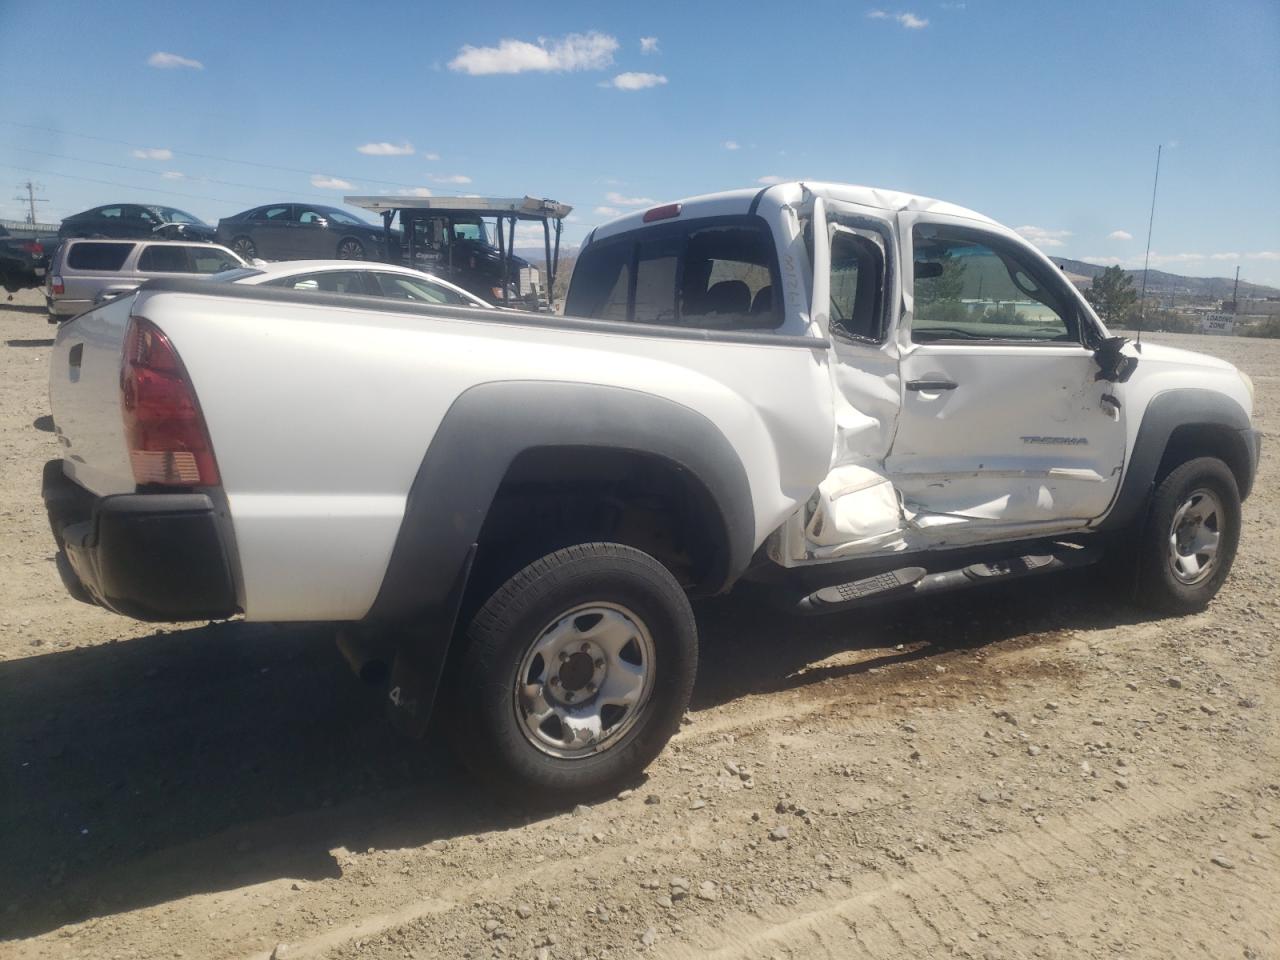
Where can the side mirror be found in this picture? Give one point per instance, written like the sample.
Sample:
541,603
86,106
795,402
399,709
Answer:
319,222
1114,365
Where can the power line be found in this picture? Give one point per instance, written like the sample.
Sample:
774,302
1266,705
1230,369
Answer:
159,173
115,183
206,156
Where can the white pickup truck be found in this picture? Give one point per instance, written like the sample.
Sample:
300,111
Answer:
839,394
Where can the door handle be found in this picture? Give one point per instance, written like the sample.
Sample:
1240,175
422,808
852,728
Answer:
931,385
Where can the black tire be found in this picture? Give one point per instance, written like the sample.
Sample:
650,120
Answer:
349,248
10,283
489,734
244,248
1161,583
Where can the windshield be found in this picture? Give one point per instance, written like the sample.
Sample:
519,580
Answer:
472,229
234,274
174,215
340,216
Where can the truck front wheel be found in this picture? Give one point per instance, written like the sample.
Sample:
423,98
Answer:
576,673
1190,537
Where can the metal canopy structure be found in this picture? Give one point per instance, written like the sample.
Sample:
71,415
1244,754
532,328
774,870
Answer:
525,208
505,210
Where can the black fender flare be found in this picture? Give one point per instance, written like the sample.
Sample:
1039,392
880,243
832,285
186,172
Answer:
483,431
489,425
1166,412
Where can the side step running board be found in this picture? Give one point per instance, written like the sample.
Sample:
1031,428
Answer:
914,581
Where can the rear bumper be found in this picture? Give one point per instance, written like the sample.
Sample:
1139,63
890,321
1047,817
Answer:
150,556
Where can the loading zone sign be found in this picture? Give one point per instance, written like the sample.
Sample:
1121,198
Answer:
1222,324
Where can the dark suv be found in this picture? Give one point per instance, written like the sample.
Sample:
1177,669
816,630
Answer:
302,231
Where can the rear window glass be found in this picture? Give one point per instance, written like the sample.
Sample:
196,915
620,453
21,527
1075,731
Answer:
713,274
98,256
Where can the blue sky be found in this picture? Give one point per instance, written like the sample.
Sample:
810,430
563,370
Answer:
1043,115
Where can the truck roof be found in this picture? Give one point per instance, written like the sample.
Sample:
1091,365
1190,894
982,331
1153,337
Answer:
523,207
730,202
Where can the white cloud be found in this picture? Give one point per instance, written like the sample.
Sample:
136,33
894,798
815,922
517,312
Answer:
649,45
1119,235
1042,236
575,51
452,178
432,156
1224,256
172,175
329,183
621,201
1263,255
770,180
609,211
908,20
384,149
415,192
154,153
171,61
732,145
635,81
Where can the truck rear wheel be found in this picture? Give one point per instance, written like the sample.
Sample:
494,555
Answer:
1190,538
576,673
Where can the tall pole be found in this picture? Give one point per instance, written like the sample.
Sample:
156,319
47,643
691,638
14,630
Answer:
31,200
1146,260
1235,300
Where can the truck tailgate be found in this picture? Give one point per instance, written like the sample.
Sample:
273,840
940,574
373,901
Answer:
84,397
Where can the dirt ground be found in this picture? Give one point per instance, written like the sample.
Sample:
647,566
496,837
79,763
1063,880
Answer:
1038,771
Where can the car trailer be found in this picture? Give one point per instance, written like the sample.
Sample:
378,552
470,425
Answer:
447,236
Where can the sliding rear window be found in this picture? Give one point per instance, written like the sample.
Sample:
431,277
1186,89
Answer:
715,273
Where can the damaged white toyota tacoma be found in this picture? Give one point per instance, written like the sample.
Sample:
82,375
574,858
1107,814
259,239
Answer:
839,394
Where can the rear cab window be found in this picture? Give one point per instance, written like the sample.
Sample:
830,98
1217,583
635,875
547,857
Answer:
103,256
716,273
181,258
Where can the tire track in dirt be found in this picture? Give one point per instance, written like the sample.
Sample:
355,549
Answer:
957,896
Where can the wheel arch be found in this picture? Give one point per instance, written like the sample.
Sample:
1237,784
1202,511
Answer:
492,430
1177,426
489,435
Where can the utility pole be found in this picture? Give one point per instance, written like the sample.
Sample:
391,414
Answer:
31,199
1235,300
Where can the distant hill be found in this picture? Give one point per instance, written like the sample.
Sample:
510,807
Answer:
1160,283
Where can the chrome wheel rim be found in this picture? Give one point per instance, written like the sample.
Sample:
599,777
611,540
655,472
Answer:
245,249
1194,537
585,681
350,250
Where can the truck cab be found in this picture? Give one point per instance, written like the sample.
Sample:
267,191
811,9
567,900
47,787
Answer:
976,398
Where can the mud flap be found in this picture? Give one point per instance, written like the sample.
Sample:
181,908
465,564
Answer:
422,651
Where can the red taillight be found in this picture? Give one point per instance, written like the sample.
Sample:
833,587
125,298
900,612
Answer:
57,286
662,213
163,427
34,247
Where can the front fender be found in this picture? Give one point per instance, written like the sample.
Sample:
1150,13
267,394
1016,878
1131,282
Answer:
1166,412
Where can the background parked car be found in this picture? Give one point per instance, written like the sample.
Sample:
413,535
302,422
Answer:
298,231
136,220
23,261
86,272
340,276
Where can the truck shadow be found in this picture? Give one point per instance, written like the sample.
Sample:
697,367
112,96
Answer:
199,760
